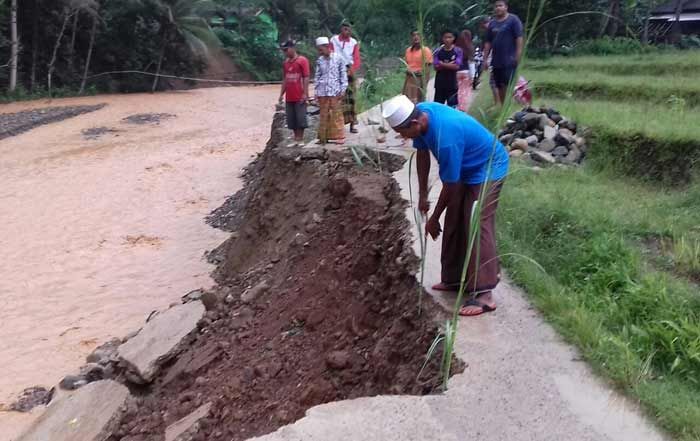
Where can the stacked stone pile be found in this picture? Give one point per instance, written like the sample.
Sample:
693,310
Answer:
543,135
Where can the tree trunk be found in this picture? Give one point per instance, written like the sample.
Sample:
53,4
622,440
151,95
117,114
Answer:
676,30
160,61
614,23
56,47
35,44
93,32
15,46
71,48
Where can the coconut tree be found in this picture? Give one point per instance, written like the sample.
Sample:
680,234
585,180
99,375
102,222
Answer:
15,46
179,19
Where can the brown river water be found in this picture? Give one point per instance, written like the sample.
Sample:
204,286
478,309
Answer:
95,234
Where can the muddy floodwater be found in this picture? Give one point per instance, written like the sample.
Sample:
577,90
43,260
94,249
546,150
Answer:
102,220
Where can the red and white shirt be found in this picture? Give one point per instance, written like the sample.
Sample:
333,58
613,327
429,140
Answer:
349,51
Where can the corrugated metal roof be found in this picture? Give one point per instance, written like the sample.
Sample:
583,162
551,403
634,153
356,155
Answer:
670,7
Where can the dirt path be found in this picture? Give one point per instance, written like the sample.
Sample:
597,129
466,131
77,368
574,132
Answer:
96,233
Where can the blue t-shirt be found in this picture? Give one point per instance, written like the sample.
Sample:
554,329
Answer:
502,36
462,146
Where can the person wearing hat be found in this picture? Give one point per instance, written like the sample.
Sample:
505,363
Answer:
295,90
472,166
330,83
349,50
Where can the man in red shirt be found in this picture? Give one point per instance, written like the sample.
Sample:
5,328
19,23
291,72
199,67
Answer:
296,88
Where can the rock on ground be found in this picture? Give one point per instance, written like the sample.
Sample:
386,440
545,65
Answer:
159,340
187,427
91,414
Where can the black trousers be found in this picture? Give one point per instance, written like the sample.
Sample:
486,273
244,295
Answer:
446,95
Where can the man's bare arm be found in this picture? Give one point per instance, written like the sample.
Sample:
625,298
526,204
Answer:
423,169
520,43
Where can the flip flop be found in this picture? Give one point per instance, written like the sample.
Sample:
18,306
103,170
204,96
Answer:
474,302
354,131
443,287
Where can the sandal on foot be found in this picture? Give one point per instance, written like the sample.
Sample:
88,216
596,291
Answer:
354,131
484,308
445,287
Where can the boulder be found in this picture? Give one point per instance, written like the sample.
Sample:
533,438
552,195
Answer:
545,122
579,141
531,120
506,139
532,140
516,153
564,138
90,414
574,155
560,151
550,132
556,118
159,340
543,157
519,144
105,353
186,428
547,145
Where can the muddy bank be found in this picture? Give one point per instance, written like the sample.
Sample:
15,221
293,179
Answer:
12,124
316,301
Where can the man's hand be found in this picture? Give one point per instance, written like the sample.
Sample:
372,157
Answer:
433,228
281,98
485,67
423,205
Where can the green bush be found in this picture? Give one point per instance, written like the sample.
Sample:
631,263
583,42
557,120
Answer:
256,50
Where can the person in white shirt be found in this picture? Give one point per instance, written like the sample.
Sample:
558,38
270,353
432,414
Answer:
330,83
349,49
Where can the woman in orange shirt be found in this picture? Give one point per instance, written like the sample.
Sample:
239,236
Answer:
418,60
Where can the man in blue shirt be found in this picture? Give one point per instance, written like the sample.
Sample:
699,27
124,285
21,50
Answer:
472,167
504,42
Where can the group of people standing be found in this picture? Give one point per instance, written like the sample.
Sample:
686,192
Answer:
454,61
335,86
473,164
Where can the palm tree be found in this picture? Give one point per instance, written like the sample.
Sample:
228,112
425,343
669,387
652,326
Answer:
15,46
180,19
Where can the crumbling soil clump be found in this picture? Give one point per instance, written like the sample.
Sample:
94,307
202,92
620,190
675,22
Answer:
316,301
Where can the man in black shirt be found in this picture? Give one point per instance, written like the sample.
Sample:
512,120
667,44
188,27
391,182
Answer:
504,42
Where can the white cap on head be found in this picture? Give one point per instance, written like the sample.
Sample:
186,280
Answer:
397,110
320,41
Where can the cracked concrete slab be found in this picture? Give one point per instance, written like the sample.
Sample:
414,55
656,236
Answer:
158,340
89,414
522,382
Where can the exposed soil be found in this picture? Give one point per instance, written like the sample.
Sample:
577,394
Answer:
317,302
12,124
147,118
94,133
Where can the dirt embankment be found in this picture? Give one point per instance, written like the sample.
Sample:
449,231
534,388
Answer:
316,301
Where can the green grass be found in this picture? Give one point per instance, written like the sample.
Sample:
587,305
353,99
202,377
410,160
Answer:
638,326
377,89
632,309
593,84
653,65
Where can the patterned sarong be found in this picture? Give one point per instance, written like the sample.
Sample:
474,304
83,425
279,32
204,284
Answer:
349,112
330,126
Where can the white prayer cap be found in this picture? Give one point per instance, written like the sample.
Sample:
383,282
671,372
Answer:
320,41
397,110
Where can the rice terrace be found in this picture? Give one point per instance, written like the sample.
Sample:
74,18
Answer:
338,220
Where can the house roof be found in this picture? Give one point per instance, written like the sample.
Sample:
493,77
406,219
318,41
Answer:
689,6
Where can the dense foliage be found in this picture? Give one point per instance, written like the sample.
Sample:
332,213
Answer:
173,36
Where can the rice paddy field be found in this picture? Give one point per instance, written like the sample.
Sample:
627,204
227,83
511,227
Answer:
619,237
